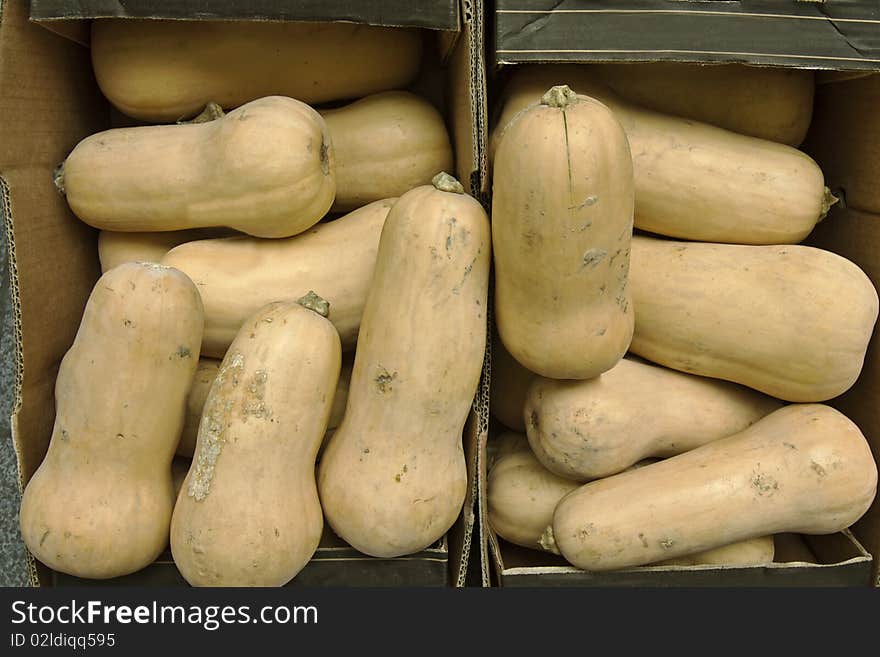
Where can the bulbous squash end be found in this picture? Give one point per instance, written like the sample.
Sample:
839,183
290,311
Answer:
315,303
548,541
559,96
446,183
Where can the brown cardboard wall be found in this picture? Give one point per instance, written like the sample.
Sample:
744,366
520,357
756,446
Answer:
845,139
55,103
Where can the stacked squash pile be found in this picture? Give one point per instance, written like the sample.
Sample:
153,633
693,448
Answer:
664,342
240,320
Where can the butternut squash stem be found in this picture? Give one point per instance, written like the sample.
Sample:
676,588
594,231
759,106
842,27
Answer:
211,112
58,178
828,200
559,96
446,183
315,303
548,541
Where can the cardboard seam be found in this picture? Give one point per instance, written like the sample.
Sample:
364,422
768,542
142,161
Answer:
15,305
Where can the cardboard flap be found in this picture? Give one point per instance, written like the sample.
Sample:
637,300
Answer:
435,14
833,35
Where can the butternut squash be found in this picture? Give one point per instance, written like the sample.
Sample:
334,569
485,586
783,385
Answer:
99,505
114,248
562,209
236,276
163,71
385,145
766,102
750,552
266,169
248,513
392,478
805,468
591,429
522,495
798,329
510,383
204,379
692,180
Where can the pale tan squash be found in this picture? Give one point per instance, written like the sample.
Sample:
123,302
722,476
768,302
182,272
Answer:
392,478
100,503
248,513
590,429
204,379
163,71
562,208
237,276
805,468
114,248
522,495
266,169
766,102
385,145
510,383
791,321
750,552
693,180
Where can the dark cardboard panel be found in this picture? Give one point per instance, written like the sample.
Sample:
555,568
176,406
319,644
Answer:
343,567
836,35
431,14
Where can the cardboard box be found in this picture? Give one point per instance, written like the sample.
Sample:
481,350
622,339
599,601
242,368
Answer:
49,101
842,40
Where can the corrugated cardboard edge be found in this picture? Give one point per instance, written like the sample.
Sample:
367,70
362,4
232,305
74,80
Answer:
15,305
468,111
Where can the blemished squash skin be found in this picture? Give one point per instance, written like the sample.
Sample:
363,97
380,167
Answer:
765,102
510,383
266,169
562,209
164,71
99,505
114,247
757,551
237,276
798,331
522,495
805,468
386,144
393,477
692,180
248,512
204,379
586,430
